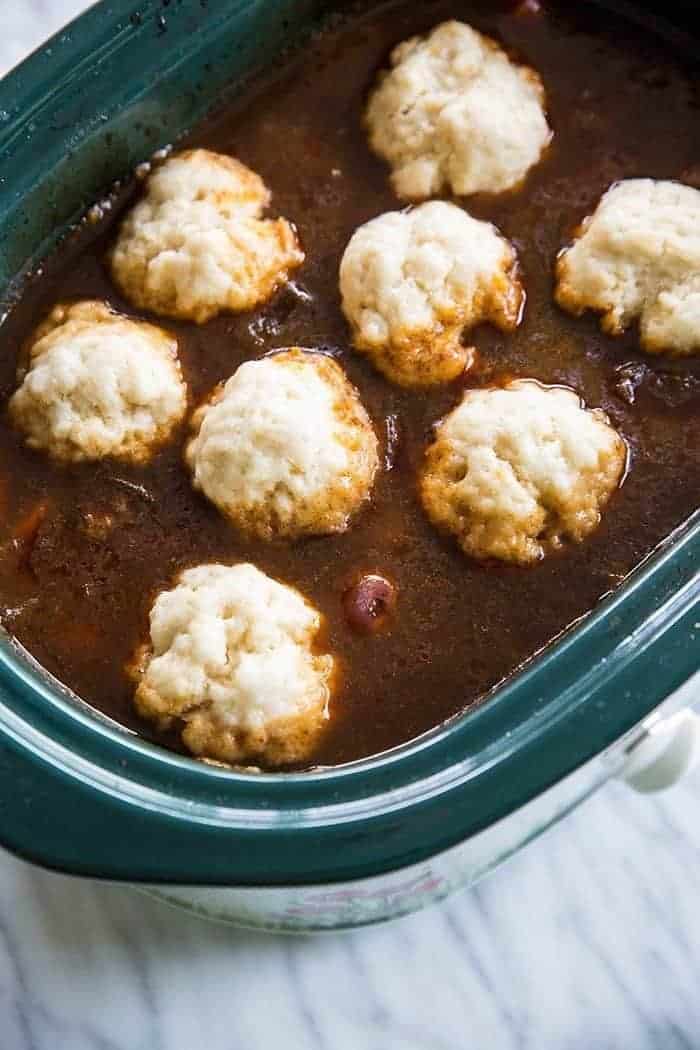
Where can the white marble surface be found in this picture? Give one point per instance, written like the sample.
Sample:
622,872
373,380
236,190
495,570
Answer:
24,24
588,940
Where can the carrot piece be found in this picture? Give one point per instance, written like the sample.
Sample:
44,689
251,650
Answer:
26,529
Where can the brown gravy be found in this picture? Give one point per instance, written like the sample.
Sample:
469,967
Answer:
621,104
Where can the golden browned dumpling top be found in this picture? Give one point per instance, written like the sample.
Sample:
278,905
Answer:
413,281
454,113
98,384
638,256
196,244
231,655
285,447
515,471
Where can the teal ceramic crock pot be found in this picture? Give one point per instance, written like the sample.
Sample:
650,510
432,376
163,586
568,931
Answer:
333,848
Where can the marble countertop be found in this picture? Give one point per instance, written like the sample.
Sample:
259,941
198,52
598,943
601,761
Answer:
589,939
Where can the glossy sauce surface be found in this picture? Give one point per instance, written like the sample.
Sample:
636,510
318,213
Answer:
77,597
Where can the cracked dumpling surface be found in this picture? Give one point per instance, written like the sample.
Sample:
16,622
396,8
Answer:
285,447
638,256
517,470
196,244
95,383
412,281
232,656
454,112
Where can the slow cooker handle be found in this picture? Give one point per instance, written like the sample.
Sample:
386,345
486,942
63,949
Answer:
666,750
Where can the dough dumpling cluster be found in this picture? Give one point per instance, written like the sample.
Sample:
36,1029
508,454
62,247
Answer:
97,384
517,470
455,113
412,281
285,447
232,658
638,257
196,244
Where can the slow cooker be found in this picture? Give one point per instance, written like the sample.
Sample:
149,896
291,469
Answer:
365,841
